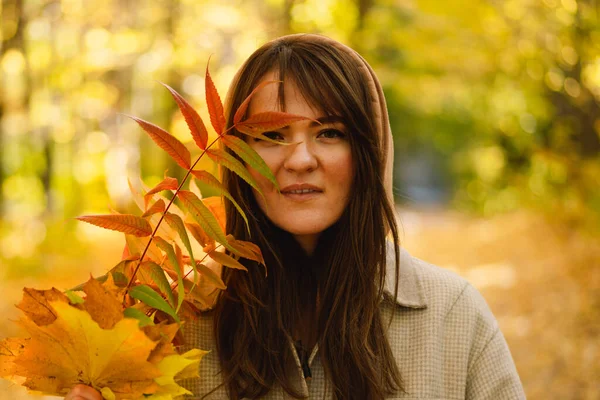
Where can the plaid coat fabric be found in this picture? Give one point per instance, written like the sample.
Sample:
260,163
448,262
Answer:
444,337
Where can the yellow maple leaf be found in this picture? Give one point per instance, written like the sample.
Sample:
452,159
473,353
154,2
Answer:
92,343
174,368
75,349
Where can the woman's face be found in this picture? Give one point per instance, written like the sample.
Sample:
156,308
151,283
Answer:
314,173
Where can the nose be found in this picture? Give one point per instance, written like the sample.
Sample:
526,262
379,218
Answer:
300,157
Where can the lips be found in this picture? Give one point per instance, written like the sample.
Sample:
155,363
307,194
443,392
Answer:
301,192
301,189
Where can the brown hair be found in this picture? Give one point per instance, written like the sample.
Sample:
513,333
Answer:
255,316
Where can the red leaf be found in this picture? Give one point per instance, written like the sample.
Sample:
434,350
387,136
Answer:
215,106
126,223
239,114
167,142
193,120
267,121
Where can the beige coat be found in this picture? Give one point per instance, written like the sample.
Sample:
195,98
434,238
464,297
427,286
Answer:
445,339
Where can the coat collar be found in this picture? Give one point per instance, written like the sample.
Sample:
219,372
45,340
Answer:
410,286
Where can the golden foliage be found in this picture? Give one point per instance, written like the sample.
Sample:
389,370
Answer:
92,343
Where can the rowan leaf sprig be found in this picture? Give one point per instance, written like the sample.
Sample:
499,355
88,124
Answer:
169,247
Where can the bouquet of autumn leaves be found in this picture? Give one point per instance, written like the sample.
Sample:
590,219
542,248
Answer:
118,333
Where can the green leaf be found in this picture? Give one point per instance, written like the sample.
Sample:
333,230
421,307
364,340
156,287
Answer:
168,248
205,218
120,278
250,156
74,298
148,296
209,179
176,223
230,162
157,274
140,316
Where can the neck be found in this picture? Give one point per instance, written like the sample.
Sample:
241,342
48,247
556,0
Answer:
307,242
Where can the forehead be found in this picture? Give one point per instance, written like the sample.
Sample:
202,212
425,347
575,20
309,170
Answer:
268,98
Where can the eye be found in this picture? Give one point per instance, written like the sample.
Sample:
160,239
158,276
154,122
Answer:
331,134
271,135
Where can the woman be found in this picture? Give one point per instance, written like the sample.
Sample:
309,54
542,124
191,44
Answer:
331,319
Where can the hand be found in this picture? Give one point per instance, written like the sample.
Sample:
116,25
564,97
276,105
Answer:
83,392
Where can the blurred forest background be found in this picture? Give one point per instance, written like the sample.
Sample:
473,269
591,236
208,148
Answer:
495,107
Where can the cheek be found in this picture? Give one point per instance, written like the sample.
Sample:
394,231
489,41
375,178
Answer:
345,174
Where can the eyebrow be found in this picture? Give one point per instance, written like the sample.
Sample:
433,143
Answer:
328,119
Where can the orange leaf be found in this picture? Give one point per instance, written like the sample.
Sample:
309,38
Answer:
193,120
102,303
211,277
168,183
137,197
266,121
245,249
126,223
164,334
36,304
216,206
226,260
10,349
136,246
167,142
239,114
215,106
157,207
198,234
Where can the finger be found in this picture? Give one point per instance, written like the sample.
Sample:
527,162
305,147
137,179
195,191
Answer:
83,392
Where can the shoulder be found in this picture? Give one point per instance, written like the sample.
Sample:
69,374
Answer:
441,327
426,286
438,304
450,293
446,300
